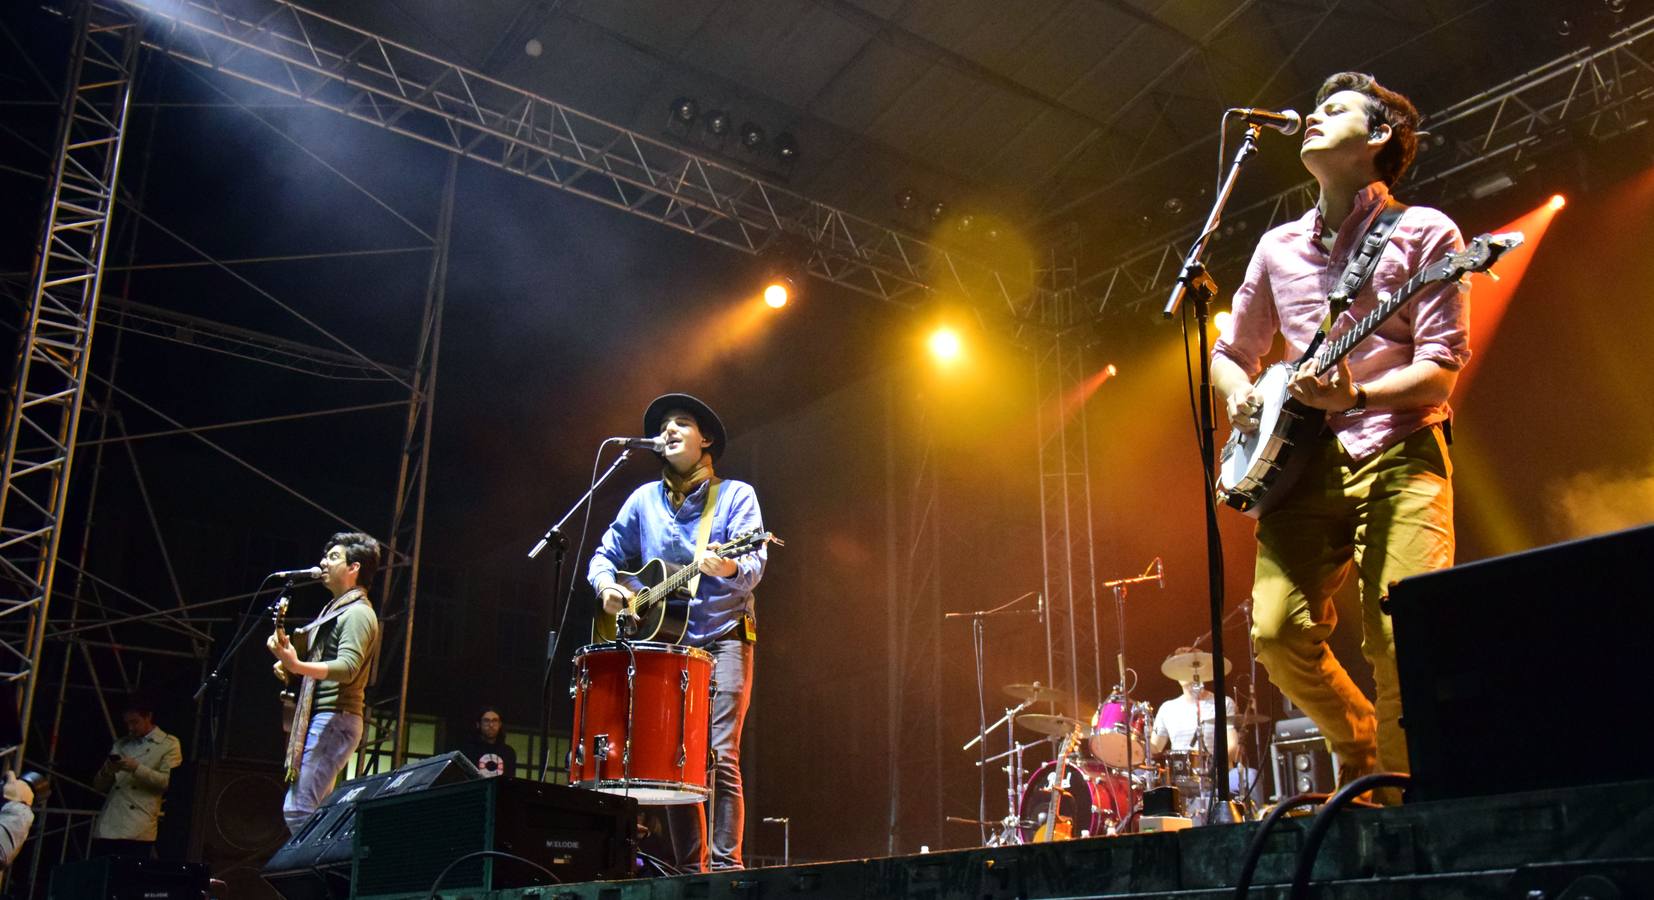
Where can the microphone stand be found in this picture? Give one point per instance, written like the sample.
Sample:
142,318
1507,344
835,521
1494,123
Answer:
979,649
554,535
1194,281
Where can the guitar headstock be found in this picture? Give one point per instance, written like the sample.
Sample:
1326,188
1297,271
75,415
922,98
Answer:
1484,250
278,613
748,542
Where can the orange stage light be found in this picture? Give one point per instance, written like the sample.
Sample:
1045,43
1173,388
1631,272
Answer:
776,294
1557,202
945,344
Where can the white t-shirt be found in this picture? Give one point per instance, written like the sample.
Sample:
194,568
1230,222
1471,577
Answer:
1176,719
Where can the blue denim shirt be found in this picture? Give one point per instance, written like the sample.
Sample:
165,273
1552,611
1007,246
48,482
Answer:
647,527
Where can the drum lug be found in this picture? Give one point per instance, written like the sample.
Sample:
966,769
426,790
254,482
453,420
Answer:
600,747
574,687
579,754
683,681
683,755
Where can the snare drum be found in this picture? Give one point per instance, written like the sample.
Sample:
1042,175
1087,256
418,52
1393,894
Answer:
1117,732
642,734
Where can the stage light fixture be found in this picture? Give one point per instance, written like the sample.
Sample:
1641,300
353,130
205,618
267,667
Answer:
1558,201
905,199
717,122
786,146
945,344
938,210
1489,185
966,223
752,137
534,48
685,109
1112,371
778,292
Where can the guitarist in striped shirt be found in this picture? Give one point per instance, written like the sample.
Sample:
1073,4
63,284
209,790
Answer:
661,520
1376,496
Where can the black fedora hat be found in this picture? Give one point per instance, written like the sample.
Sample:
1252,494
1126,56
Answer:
711,425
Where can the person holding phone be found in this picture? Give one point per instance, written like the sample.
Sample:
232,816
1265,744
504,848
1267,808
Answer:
134,776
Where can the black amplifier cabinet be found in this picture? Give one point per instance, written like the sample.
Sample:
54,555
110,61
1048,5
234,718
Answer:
113,878
1503,661
403,843
315,863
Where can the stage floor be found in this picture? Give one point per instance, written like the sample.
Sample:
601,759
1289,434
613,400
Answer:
1531,845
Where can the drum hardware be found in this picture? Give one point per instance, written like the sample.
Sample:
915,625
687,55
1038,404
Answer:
979,642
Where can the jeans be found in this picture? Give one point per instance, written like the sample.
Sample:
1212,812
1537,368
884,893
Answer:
732,662
327,746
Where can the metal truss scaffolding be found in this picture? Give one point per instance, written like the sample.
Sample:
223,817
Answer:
301,54
49,383
1068,559
1591,93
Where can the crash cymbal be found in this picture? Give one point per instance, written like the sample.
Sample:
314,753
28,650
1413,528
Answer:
1034,693
1195,666
1242,720
1053,725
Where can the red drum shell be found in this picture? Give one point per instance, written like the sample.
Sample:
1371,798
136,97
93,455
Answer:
664,714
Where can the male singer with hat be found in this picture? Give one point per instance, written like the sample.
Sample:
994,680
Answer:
661,520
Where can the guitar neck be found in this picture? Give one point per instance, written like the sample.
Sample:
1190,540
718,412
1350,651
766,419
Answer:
1332,352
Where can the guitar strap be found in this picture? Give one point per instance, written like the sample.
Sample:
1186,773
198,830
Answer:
703,531
1363,261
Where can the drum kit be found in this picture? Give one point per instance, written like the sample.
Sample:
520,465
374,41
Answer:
1098,780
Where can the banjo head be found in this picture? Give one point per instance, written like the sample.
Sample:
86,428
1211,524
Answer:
1244,462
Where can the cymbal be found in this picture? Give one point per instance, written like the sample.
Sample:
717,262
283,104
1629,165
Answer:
1044,724
1196,666
1242,720
1034,693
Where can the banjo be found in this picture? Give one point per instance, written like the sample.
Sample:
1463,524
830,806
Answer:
1257,469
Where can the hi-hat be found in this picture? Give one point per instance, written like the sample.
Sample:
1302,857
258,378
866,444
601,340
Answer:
1053,725
1034,693
1242,720
1193,666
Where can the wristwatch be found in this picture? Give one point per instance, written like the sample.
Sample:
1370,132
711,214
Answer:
1360,397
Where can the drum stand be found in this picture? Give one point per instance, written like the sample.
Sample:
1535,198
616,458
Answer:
1010,827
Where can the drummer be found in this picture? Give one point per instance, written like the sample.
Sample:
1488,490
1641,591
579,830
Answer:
1178,718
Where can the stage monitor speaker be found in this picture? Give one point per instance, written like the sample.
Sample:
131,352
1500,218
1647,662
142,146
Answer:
315,863
1509,666
226,815
116,878
404,843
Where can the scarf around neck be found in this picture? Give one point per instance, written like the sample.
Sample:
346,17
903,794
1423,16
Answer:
679,487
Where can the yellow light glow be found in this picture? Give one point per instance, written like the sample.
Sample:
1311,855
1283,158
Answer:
1224,320
776,295
1558,201
945,344
1111,370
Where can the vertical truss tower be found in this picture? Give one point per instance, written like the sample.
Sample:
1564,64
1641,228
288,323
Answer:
49,383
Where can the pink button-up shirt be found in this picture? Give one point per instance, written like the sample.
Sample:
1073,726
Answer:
1286,291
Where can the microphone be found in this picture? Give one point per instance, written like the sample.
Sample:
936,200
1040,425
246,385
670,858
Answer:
1286,121
313,573
653,444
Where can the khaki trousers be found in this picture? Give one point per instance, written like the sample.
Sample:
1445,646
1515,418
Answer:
1388,517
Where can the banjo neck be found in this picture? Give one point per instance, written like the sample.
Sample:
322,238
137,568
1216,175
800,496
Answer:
1332,352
